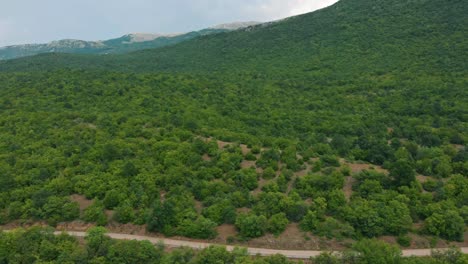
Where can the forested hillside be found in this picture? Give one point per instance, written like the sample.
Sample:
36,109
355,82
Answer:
347,123
352,37
124,44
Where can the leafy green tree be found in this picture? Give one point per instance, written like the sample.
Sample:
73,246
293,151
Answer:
296,211
124,213
129,170
269,173
403,173
277,223
97,242
179,256
332,228
335,200
200,228
443,168
365,218
221,212
247,178
95,213
449,225
251,225
214,255
369,187
330,160
452,255
162,215
374,252
59,209
455,189
112,199
397,217
326,258
133,251
310,221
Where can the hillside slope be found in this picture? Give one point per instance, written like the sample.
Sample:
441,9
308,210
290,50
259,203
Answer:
346,123
350,37
124,44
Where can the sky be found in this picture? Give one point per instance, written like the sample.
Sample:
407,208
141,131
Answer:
41,21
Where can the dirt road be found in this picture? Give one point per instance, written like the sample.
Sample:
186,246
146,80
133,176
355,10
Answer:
295,254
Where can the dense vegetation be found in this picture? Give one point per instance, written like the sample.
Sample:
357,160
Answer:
391,39
377,82
124,139
120,45
38,245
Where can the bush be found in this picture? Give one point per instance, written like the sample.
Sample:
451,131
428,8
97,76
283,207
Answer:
112,199
310,221
332,228
251,225
330,160
449,225
404,240
59,209
200,228
221,212
371,251
255,150
124,214
430,185
277,223
95,213
250,156
326,258
269,173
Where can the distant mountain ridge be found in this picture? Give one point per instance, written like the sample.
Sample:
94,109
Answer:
126,43
351,38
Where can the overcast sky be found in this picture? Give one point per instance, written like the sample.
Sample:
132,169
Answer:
39,21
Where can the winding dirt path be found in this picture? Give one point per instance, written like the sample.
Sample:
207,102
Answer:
293,254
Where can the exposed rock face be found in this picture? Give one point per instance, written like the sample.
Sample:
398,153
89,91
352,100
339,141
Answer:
142,37
236,25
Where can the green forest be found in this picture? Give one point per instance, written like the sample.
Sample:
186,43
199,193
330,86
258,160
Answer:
259,129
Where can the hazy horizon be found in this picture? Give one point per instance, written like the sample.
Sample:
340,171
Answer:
30,21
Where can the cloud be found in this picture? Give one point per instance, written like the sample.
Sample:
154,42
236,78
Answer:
303,6
277,9
10,33
5,29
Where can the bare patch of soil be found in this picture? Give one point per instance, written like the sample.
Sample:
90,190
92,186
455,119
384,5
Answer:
245,164
357,168
109,214
259,170
198,207
205,157
82,201
223,144
75,225
224,232
388,239
127,229
348,187
261,182
305,171
245,149
294,238
422,178
458,147
243,210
